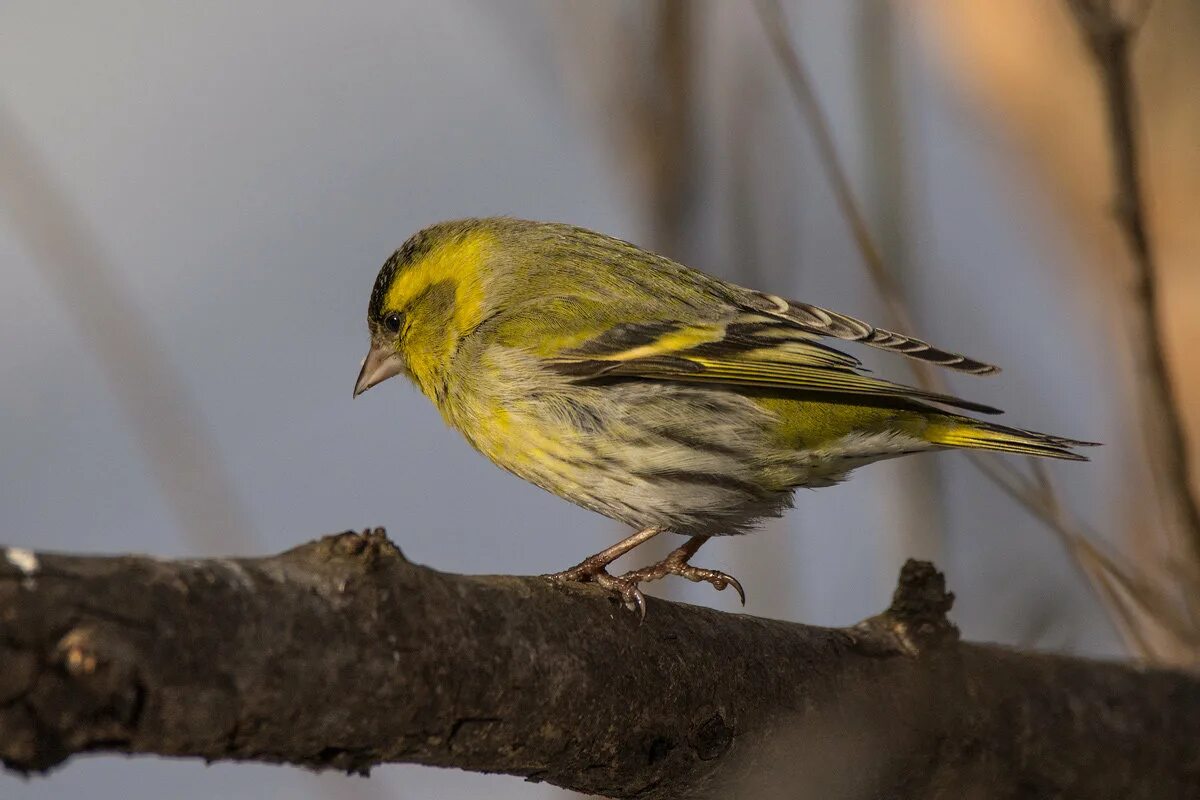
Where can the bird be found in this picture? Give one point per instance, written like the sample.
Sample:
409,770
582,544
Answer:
652,393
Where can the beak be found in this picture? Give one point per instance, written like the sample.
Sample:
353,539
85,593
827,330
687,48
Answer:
379,365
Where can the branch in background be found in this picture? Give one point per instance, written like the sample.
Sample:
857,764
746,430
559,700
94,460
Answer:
775,26
343,655
636,77
1109,37
167,425
665,124
1027,68
1140,597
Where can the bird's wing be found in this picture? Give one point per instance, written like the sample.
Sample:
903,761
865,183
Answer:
823,322
745,349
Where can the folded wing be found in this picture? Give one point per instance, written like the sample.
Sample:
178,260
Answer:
823,322
758,349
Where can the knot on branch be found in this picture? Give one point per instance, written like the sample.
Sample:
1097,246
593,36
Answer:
916,622
365,550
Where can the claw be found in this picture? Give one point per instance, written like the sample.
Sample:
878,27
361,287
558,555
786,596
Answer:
632,597
737,587
719,580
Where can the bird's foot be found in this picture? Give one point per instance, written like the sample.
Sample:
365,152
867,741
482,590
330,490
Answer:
590,571
595,570
676,563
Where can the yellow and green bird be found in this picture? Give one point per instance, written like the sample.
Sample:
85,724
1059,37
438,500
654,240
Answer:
647,391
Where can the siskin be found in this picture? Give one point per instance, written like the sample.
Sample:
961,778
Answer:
649,392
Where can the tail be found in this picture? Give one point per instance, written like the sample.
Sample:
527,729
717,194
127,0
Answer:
955,431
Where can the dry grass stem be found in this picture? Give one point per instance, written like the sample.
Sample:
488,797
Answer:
1129,598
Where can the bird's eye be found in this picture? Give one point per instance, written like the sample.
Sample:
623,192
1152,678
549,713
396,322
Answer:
392,322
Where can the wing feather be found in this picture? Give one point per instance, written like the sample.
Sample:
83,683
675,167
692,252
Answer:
745,350
823,322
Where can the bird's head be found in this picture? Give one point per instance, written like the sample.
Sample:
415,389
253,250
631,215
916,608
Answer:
432,292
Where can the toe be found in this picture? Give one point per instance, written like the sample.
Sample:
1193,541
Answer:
718,580
577,574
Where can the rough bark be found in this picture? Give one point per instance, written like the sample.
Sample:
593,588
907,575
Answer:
342,654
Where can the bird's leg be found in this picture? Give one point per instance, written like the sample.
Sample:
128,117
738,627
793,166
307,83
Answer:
594,569
676,563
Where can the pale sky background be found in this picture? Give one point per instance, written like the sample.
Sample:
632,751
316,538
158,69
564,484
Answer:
249,165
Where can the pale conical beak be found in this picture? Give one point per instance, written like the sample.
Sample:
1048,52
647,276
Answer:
379,365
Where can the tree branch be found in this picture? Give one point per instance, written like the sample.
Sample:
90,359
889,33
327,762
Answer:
1109,36
342,654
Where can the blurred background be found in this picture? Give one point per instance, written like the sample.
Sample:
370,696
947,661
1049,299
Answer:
195,198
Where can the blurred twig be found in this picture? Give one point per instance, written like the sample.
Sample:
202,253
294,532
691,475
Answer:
167,425
1140,597
638,61
1109,36
745,237
771,15
666,124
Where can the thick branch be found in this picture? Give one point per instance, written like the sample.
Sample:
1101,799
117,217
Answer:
342,654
